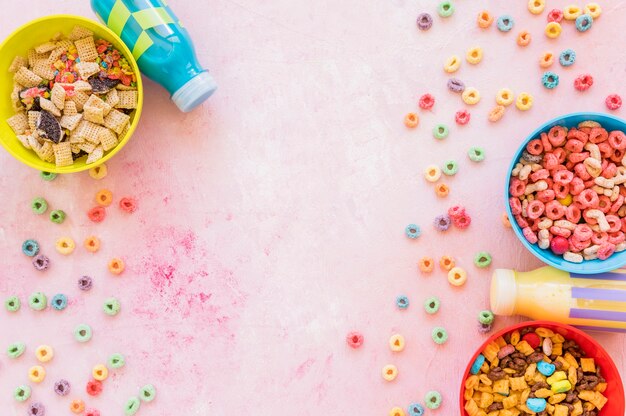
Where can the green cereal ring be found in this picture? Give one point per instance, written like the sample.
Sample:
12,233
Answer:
433,399
57,216
112,306
39,206
47,176
38,301
16,349
476,154
147,393
440,335
22,393
445,9
450,168
482,259
132,406
82,333
117,361
431,305
12,304
485,317
440,131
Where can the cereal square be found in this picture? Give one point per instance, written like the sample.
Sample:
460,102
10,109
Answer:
70,122
112,98
96,155
116,121
57,96
27,78
108,139
18,123
79,32
47,105
17,63
93,114
86,49
63,154
95,101
588,365
127,99
70,109
87,69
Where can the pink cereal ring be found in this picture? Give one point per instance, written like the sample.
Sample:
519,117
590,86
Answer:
539,175
577,246
516,206
598,135
547,146
589,220
605,150
534,224
573,214
583,232
535,209
613,102
576,186
534,147
599,238
556,136
574,145
587,198
520,221
616,238
550,160
581,171
560,231
589,184
617,139
604,204
530,235
609,171
560,191
578,157
615,223
545,196
517,187
555,15
618,155
560,154
617,204
570,165
624,225
563,177
580,135
554,210
606,250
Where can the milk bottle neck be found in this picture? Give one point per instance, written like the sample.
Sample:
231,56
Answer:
504,292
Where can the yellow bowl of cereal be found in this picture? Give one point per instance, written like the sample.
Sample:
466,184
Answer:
71,96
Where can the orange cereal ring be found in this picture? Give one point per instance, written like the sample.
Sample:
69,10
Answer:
523,39
446,263
496,113
411,120
442,190
485,19
547,59
97,214
128,204
92,243
426,264
116,266
505,220
104,197
77,406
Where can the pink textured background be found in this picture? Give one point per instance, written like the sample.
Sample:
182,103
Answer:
271,220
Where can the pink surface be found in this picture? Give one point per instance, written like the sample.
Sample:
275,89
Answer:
271,220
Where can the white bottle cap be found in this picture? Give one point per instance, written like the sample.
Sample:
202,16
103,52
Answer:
194,92
503,292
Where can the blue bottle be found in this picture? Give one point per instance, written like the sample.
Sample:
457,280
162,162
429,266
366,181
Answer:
162,47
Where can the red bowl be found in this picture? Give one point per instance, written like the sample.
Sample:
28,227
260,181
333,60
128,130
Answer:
615,389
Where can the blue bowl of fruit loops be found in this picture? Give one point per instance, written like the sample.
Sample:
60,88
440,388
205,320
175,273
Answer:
565,193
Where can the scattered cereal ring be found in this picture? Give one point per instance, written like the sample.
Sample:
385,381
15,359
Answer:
480,360
486,317
474,55
524,101
456,211
593,9
104,197
482,259
397,411
424,21
96,214
547,59
57,216
524,38
476,154
30,248
396,343
77,406
432,173
44,353
402,302
553,30
21,393
505,23
462,117
496,113
572,12
456,85
390,372
426,102
442,222
354,340
117,360
584,22
416,409
12,304
450,168
132,406
442,190
94,387
92,412
470,96
446,263
111,306
613,102
439,335
82,333
462,221
92,243
16,349
457,276
62,387
36,409
432,305
550,80
555,15
426,264
47,176
445,9
38,301
85,283
100,372
59,302
412,231
504,97
98,172
147,393
583,82
65,245
567,57
36,374
116,266
411,120
452,64
536,6
505,220
39,205
484,19
433,400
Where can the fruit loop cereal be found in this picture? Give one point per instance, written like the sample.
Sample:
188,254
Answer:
452,64
424,21
524,101
555,15
440,336
593,10
613,102
550,80
354,340
462,117
505,23
426,264
536,6
455,85
402,302
412,231
553,30
505,97
583,82
534,371
474,55
567,191
484,20
524,38
390,372
433,399
567,57
432,305
547,59
572,12
470,96
584,22
396,343
426,102
411,120
496,113
446,263
74,98
445,9
440,131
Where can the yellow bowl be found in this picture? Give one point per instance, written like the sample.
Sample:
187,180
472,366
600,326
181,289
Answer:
18,43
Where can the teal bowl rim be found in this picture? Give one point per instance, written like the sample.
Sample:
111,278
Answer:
587,266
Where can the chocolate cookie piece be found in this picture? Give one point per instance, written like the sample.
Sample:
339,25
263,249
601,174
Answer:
102,85
50,127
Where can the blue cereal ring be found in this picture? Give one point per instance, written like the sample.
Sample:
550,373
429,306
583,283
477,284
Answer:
545,368
30,248
402,302
584,22
480,360
550,80
505,23
536,405
412,231
567,57
416,409
59,302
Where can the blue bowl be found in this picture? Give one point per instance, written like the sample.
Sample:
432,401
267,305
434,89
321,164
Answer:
617,260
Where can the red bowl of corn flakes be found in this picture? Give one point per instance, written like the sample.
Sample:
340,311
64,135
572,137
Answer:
510,374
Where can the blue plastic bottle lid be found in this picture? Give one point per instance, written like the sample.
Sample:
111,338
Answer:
194,92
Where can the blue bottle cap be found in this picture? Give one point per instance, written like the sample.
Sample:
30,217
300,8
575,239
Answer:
194,92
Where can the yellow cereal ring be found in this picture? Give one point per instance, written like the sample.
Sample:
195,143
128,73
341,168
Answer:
116,266
470,96
485,19
593,9
396,343
496,113
536,6
397,411
457,276
432,173
100,372
446,263
65,245
44,353
474,55
92,243
390,372
504,97
571,12
104,197
524,101
523,39
547,59
452,64
37,374
553,30
98,172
